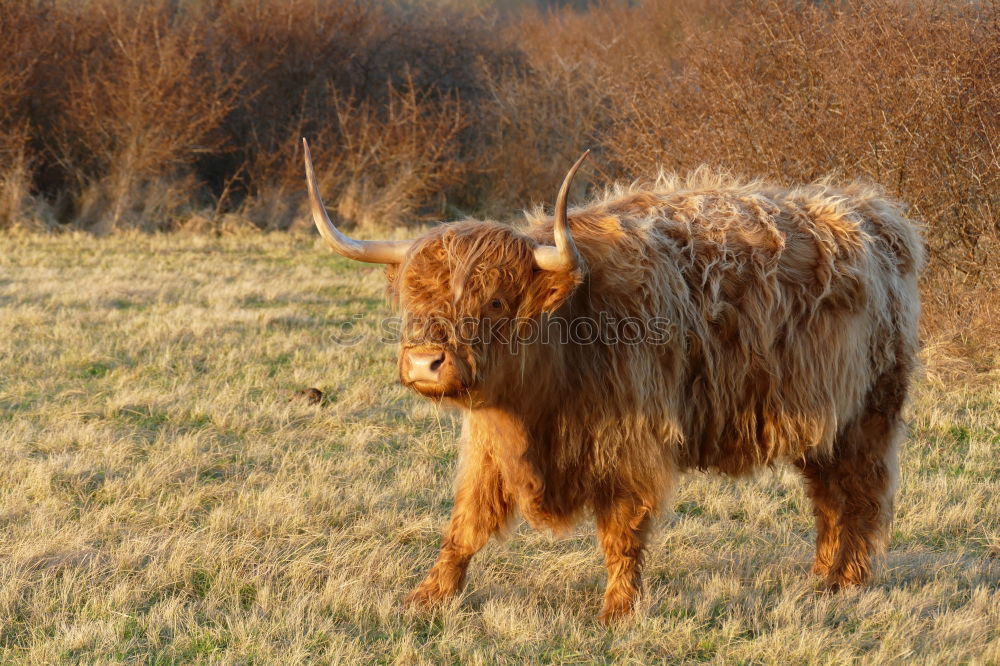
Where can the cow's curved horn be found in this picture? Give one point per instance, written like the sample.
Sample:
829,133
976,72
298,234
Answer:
564,257
374,252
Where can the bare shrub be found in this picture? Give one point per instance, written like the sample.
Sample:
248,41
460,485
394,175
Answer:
541,113
568,92
380,165
383,86
901,94
390,161
142,104
17,59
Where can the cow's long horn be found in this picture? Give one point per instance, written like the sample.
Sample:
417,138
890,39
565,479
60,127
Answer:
564,256
374,252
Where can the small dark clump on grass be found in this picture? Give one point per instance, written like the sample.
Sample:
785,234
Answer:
312,396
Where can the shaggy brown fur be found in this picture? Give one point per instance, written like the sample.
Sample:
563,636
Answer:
792,322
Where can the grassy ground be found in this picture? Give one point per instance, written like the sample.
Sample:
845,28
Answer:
162,499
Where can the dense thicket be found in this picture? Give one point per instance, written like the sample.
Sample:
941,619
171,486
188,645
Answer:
169,113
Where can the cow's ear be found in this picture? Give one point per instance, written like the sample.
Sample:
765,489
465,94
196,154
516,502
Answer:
549,290
391,289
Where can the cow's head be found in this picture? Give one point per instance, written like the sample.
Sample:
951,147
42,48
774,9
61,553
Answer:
466,291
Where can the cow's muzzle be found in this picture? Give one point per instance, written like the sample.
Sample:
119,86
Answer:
431,371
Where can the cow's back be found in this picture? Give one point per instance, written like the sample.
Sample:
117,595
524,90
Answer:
783,307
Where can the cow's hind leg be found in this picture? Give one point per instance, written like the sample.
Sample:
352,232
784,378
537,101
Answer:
865,473
623,528
853,491
482,507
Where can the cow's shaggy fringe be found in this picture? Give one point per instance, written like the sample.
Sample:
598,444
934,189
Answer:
793,333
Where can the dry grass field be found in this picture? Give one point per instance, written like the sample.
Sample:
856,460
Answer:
163,500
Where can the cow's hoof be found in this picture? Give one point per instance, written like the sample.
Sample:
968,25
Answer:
821,569
427,595
836,581
420,599
615,611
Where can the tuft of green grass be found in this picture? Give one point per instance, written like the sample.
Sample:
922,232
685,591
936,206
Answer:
164,501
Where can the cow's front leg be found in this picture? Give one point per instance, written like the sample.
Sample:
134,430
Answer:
622,528
482,507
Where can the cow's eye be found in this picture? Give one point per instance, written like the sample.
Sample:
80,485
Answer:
496,305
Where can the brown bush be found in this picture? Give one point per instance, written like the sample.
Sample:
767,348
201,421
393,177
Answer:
381,165
18,54
540,115
903,95
138,112
381,87
142,103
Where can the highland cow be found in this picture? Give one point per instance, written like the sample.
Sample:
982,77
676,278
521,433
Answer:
788,333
